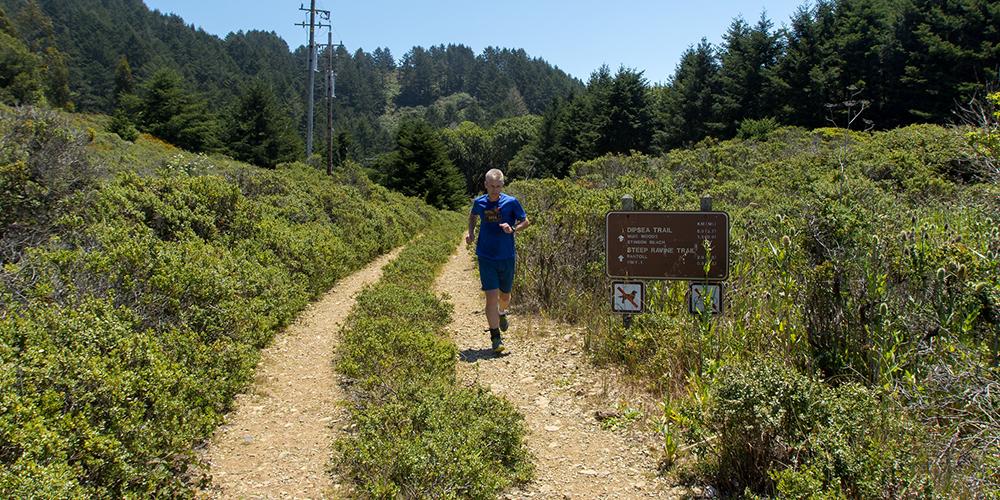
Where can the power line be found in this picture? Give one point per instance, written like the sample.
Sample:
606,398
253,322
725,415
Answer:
311,66
331,93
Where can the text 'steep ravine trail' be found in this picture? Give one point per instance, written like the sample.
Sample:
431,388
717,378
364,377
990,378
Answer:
546,377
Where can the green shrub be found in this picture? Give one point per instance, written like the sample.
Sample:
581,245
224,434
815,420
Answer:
132,311
389,353
868,258
781,432
437,441
123,127
756,129
416,433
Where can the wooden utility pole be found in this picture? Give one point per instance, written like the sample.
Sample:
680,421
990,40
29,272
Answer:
331,93
312,67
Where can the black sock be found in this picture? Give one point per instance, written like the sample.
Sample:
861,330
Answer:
494,332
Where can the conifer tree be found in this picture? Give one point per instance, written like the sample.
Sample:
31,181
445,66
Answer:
805,73
420,167
258,132
5,24
56,78
551,154
688,107
747,60
867,57
124,82
20,78
628,125
171,113
952,50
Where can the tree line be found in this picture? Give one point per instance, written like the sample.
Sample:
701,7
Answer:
877,64
442,84
863,64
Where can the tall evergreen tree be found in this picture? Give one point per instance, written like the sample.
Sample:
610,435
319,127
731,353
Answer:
806,73
20,78
747,61
952,50
868,57
551,154
258,132
6,26
56,78
124,81
628,125
420,167
417,79
687,109
171,113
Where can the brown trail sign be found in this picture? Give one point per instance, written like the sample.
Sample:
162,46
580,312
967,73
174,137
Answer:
667,245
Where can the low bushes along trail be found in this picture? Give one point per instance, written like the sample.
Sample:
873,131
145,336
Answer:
276,441
546,376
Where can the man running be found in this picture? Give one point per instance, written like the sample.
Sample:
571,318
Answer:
501,217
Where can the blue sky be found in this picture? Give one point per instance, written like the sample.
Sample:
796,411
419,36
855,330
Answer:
578,36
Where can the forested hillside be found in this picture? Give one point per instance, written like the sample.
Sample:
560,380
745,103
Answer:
446,84
875,64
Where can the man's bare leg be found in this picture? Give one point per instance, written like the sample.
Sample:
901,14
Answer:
492,307
504,301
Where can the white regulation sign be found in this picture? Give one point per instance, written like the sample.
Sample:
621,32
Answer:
627,298
700,295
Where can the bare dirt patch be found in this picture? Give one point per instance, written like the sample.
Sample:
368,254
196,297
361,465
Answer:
549,379
276,443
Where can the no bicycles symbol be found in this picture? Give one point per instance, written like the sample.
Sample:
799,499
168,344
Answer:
627,297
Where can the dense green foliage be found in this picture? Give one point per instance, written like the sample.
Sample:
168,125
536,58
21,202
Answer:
419,166
138,281
175,115
899,61
777,428
135,297
416,432
32,72
864,265
475,150
258,132
443,84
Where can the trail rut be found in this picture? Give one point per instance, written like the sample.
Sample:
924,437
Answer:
276,442
547,377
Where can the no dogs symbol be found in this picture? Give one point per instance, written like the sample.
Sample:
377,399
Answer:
627,297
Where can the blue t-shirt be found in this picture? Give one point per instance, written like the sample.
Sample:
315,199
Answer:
493,243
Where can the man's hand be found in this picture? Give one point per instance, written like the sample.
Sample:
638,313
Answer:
506,228
468,239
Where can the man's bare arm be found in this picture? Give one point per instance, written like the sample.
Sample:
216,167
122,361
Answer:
472,227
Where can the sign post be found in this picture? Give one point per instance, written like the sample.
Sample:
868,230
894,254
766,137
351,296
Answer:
628,204
689,246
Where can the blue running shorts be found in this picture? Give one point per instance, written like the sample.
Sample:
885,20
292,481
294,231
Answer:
496,274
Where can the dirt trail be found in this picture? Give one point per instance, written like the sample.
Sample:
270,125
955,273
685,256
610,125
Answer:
276,442
552,384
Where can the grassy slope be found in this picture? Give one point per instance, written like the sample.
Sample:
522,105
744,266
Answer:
139,282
